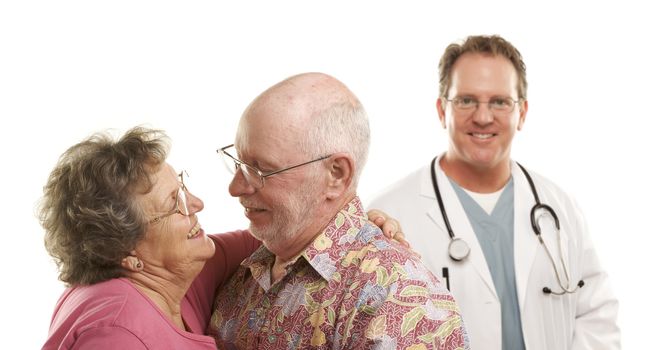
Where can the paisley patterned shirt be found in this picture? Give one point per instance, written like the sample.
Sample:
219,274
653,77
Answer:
351,288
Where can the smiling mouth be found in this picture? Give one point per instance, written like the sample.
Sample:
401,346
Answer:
253,210
482,136
194,231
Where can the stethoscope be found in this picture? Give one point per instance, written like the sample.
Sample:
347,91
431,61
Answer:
458,249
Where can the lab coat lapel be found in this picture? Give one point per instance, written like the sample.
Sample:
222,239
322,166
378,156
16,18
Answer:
525,241
458,222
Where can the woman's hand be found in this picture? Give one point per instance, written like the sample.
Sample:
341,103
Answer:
390,226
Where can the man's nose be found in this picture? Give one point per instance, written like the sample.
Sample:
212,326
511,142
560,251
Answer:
483,115
239,186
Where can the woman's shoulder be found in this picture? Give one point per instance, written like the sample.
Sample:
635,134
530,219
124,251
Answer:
108,314
85,309
101,302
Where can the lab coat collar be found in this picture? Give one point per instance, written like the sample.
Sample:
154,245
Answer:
525,241
458,221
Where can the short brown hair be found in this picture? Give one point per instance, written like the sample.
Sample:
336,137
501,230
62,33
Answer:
88,211
493,45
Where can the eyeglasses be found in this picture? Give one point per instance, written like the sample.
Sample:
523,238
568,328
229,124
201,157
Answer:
499,106
254,176
181,206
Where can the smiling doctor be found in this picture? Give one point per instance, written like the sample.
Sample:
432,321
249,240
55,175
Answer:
512,247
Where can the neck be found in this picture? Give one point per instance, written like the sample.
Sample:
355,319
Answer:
165,289
289,251
476,179
286,251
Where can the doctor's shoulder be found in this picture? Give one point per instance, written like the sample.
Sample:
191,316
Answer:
399,192
559,198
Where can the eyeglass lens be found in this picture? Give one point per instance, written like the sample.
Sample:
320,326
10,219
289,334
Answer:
182,201
251,174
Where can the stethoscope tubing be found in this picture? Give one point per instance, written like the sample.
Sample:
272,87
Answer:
458,253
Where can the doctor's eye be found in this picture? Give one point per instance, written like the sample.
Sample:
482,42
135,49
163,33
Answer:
502,104
465,102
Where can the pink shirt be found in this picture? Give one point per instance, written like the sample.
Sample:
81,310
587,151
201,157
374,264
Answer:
115,315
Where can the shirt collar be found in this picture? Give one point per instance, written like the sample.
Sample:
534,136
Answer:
348,228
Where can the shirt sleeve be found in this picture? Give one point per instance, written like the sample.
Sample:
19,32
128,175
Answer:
108,338
406,307
428,324
597,307
231,249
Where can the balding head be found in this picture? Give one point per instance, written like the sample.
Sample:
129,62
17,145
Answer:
311,113
308,137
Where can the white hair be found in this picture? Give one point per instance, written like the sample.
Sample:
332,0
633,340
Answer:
341,127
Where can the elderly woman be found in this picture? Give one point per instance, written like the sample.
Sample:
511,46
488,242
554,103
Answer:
122,228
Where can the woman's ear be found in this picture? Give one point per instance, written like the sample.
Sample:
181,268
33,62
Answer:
132,263
341,170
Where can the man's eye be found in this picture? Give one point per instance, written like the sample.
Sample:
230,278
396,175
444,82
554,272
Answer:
500,102
466,101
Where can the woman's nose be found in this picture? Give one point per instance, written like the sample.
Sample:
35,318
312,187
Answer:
195,203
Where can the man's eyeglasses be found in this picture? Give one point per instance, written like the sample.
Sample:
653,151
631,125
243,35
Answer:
499,106
181,203
254,176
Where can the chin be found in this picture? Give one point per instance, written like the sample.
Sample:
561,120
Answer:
270,236
208,249
484,158
256,232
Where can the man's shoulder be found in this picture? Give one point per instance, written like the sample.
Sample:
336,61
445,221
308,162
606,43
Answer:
387,262
548,189
402,302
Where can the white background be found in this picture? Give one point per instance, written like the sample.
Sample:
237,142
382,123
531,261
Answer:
68,69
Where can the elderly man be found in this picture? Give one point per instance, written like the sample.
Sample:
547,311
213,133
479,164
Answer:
325,276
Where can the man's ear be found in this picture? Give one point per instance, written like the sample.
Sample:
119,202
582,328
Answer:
341,170
523,111
441,111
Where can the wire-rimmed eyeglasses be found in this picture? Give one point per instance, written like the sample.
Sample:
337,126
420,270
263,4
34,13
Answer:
181,203
499,106
254,176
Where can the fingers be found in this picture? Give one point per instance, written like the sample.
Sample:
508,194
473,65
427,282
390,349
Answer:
379,221
390,226
377,217
400,238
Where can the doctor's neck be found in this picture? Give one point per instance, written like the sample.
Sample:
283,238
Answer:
479,179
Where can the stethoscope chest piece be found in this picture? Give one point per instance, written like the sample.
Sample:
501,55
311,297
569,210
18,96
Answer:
458,249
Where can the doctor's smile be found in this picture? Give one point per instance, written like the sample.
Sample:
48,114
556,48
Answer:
482,136
512,247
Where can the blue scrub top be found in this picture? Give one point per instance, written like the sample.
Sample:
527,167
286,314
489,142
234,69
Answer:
495,233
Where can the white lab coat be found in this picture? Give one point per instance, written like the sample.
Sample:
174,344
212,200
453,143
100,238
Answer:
585,319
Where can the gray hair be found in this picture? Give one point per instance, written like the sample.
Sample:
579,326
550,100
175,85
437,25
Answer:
342,127
88,211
